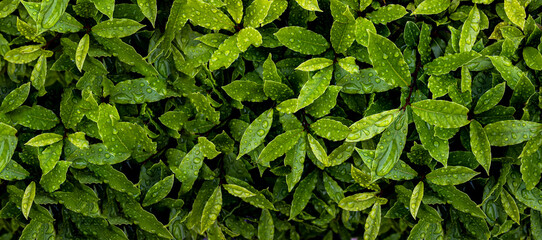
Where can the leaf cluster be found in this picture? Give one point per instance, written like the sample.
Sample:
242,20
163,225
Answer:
270,119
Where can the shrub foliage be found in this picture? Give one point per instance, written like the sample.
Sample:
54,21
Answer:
270,119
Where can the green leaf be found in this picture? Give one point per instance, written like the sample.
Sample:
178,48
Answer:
67,24
511,132
51,12
536,224
8,7
105,6
479,143
28,199
386,14
248,36
244,90
116,28
80,199
509,205
390,146
363,82
50,156
158,191
459,200
322,105
318,151
448,63
82,50
189,167
149,9
266,228
44,139
363,27
226,54
466,80
35,117
255,133
416,199
13,171
342,35
438,85
532,58
127,54
451,175
303,194
8,143
330,129
270,72
314,64
279,146
211,210
115,179
235,9
15,98
470,30
532,146
515,12
333,189
302,40
438,148
78,139
238,191
256,13
39,75
349,64
145,220
370,126
52,180
200,13
509,72
490,98
314,88
388,61
372,223
358,202
432,7
341,153
441,113
24,54
275,11
295,158
311,5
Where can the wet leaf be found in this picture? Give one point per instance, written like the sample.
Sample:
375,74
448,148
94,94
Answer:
388,61
416,199
302,40
441,113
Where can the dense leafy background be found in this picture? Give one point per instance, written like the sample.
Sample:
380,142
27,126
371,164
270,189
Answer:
270,119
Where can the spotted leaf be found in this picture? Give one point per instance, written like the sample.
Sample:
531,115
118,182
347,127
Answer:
158,191
451,175
490,98
212,209
441,113
510,132
116,28
255,133
303,194
302,40
279,146
314,64
432,7
370,126
388,61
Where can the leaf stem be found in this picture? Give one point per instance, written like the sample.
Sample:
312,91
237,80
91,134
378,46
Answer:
412,87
